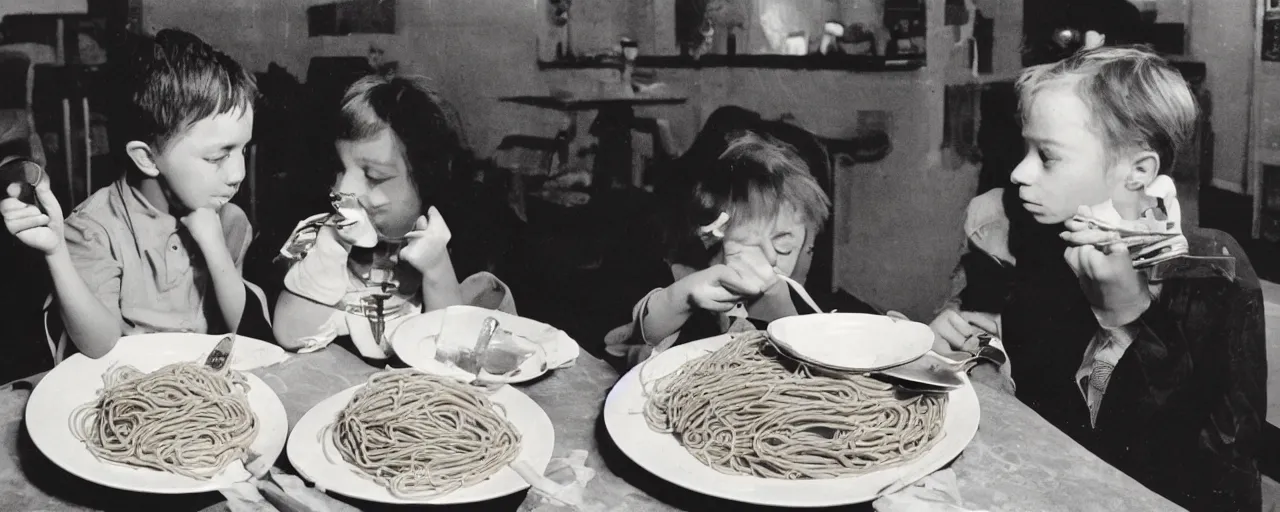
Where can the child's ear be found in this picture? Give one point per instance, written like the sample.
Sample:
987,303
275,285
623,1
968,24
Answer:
143,157
1143,169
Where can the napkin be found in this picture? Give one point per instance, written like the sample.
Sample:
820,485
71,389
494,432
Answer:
251,356
278,491
938,492
567,479
561,350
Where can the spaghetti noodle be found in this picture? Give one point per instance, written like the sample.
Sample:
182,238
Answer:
421,435
184,418
743,410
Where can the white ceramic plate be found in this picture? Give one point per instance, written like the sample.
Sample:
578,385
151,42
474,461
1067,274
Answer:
334,474
663,456
78,379
851,341
414,341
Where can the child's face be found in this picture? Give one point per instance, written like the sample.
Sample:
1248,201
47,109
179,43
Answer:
1066,165
783,241
203,166
376,172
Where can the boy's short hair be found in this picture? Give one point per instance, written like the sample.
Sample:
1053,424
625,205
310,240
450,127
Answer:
1136,99
169,82
751,181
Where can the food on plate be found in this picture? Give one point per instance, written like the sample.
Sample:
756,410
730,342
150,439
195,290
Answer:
743,409
184,418
421,435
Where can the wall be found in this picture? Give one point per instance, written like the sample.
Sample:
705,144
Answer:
1222,37
898,220
474,51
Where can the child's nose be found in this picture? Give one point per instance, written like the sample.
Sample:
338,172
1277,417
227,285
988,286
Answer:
351,182
235,171
1024,173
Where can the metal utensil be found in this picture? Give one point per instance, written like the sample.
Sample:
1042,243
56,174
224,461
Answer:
804,294
931,374
221,353
469,359
936,373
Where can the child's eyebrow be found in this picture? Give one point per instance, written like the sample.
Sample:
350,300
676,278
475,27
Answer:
1040,140
378,163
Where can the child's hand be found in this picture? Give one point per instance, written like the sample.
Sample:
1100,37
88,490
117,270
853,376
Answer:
428,243
953,328
205,227
1117,292
719,288
38,230
751,264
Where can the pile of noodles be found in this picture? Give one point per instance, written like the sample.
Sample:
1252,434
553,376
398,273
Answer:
744,410
421,435
184,418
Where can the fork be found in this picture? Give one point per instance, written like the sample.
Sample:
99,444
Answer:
799,288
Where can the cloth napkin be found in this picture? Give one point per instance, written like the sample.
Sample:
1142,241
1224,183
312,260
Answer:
277,491
938,492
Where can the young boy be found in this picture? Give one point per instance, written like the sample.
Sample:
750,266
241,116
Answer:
161,248
731,228
1165,380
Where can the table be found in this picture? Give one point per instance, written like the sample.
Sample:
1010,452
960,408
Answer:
1017,461
612,127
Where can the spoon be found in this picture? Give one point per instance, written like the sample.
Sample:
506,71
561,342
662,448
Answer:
932,373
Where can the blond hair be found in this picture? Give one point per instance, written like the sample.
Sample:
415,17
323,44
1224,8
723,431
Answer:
751,181
1137,101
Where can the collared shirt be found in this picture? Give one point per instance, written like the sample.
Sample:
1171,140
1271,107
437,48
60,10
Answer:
140,264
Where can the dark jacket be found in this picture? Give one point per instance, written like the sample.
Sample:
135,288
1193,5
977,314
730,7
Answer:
1185,405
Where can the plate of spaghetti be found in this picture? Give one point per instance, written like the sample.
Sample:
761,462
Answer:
150,417
728,417
409,437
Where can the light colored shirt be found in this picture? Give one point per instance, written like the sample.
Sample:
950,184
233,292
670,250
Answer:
141,265
323,271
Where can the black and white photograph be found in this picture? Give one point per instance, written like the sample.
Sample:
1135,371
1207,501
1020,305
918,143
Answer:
640,255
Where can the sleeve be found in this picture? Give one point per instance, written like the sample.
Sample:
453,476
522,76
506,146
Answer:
1222,473
255,319
980,281
485,290
237,232
89,246
321,273
629,343
959,281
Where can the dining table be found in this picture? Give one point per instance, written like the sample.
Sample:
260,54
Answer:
1016,462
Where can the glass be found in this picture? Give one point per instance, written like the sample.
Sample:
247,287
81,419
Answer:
473,340
464,336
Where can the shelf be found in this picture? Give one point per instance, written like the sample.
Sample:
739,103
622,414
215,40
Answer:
863,63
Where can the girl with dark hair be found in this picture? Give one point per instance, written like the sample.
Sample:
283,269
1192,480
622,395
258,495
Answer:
389,253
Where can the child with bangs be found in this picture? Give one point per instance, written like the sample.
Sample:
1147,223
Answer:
1160,372
161,249
730,231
